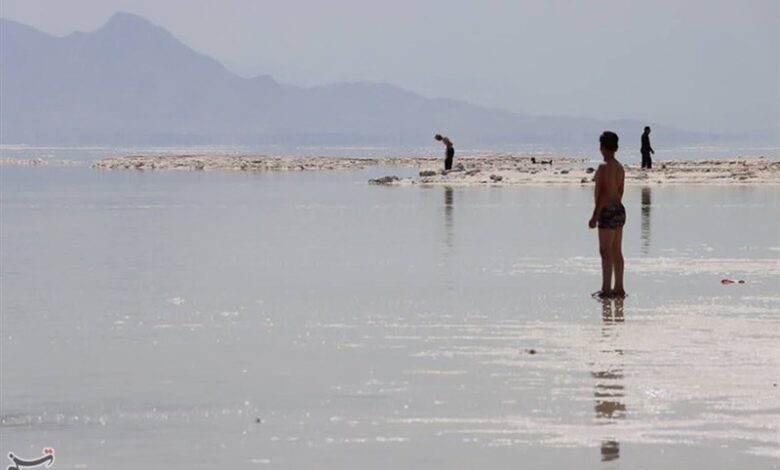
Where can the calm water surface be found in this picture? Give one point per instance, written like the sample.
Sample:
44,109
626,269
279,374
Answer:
309,320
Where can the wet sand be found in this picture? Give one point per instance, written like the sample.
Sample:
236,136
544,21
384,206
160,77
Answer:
498,170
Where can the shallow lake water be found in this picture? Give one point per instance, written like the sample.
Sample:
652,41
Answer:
310,320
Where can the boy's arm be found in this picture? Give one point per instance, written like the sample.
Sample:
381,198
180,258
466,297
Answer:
598,177
621,185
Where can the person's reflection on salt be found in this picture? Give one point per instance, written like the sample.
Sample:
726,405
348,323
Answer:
609,391
646,203
448,208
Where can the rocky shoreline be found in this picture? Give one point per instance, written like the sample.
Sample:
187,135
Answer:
516,171
495,170
250,163
492,170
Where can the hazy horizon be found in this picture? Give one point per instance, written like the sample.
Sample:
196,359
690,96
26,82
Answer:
698,66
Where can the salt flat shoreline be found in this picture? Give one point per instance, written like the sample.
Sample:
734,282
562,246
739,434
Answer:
493,170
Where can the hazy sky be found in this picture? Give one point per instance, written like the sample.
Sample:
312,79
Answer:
697,64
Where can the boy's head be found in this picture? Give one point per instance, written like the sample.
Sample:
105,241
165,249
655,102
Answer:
647,129
609,143
437,137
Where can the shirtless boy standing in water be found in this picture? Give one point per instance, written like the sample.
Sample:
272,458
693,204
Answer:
610,216
449,153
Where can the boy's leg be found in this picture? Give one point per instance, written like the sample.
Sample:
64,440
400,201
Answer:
617,260
606,242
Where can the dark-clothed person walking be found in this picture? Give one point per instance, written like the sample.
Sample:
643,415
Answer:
646,149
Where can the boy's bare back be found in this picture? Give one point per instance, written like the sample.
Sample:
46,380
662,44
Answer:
608,212
610,179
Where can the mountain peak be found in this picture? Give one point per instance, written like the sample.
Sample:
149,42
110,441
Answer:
129,24
126,20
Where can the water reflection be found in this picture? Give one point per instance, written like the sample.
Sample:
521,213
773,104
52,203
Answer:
609,391
448,209
449,228
646,203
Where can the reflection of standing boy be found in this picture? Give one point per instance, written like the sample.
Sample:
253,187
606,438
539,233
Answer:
610,216
449,153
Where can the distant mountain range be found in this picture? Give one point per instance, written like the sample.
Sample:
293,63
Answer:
132,83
